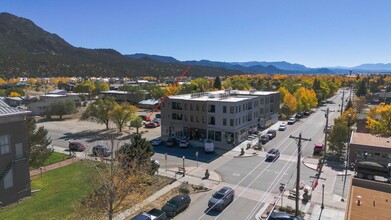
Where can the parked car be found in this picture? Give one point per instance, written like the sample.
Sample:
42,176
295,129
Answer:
318,148
151,125
273,154
184,142
209,146
171,142
144,117
291,121
100,150
158,116
264,138
222,198
176,205
283,216
282,127
153,214
271,133
156,121
329,127
299,115
307,113
76,146
156,142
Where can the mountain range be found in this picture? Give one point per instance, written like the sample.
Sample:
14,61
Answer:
28,50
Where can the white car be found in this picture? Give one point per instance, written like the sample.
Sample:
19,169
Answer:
282,127
184,142
291,121
209,146
156,142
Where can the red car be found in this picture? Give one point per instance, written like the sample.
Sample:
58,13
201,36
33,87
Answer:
318,148
76,146
151,125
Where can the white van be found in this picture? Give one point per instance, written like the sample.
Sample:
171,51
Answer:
209,146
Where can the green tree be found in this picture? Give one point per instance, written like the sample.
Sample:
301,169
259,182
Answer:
62,107
362,89
100,86
122,114
85,87
135,93
158,93
38,142
99,111
139,151
217,83
136,123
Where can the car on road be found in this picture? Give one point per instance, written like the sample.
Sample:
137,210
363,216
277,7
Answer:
151,125
209,146
144,117
264,138
291,121
158,116
329,127
307,113
153,214
271,133
221,198
100,150
156,142
176,205
299,115
318,148
283,216
171,142
184,142
282,127
76,146
273,154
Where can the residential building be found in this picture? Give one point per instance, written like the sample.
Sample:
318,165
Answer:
14,166
225,116
40,107
368,200
147,104
369,147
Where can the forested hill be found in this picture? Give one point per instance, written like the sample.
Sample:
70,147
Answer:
28,50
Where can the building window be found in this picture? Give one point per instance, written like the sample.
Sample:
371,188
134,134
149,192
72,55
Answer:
211,108
197,107
4,145
262,101
224,121
203,107
176,116
185,106
271,108
185,117
9,180
191,118
211,120
211,135
231,122
19,150
224,109
231,110
250,105
271,99
218,136
191,106
261,110
197,118
203,119
177,106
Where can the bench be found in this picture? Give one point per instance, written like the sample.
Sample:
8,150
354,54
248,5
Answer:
181,170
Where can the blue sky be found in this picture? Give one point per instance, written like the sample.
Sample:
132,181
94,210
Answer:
310,32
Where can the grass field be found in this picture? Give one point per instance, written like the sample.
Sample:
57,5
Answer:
61,190
55,158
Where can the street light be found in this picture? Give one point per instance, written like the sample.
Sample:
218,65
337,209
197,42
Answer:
322,207
347,159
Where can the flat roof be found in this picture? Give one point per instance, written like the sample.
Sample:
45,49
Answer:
370,140
234,95
375,201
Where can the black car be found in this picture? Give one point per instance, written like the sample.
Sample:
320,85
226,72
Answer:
307,113
158,116
221,199
264,138
144,117
100,150
176,205
283,216
171,142
299,115
271,133
273,154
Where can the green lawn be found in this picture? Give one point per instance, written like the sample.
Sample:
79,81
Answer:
61,190
55,158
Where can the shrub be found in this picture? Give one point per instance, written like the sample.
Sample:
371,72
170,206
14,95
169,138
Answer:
184,188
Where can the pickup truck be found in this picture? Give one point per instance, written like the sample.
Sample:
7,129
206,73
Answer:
153,214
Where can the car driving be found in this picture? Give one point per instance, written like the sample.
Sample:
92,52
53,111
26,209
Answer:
273,154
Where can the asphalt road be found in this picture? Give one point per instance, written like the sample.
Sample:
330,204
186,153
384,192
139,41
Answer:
255,180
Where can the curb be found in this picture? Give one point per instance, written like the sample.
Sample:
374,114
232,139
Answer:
245,156
302,161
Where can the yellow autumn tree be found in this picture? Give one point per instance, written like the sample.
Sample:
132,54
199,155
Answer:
290,104
14,94
283,92
2,81
379,119
32,81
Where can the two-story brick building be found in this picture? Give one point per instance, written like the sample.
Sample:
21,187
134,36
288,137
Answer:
14,166
225,116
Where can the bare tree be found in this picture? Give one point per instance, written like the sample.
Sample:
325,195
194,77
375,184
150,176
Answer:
359,104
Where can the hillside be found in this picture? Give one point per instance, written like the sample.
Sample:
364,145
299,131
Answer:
28,50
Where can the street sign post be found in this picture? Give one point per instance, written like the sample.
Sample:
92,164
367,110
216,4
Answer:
165,158
196,154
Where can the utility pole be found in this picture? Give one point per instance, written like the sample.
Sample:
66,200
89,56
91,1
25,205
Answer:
343,97
299,138
325,139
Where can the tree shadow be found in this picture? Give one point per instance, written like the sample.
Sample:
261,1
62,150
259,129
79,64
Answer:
335,165
92,135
